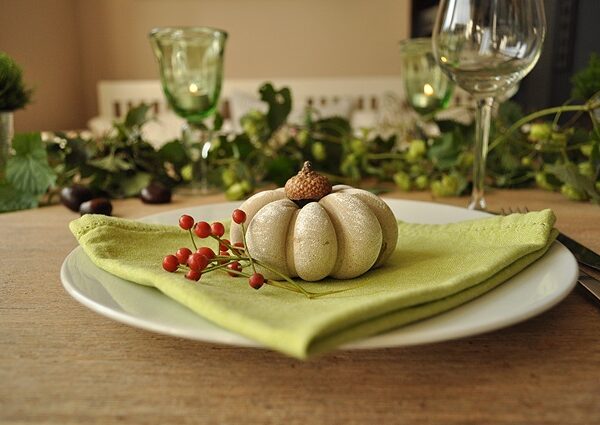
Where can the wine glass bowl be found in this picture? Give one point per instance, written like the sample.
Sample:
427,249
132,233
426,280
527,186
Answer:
487,47
191,68
426,87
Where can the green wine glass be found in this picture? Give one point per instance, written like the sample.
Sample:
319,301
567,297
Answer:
190,60
427,88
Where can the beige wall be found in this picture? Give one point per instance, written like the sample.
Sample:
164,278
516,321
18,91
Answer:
268,38
42,36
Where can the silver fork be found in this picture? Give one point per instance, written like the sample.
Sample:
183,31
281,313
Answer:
585,280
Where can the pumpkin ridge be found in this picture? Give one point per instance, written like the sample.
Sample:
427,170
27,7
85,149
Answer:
358,232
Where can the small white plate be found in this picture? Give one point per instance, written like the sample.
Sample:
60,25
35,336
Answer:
534,290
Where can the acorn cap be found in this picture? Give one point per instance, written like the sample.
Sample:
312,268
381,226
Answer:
307,185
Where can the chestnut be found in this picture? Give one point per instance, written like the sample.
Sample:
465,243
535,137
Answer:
96,206
155,193
72,197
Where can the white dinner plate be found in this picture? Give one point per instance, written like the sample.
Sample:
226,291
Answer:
532,291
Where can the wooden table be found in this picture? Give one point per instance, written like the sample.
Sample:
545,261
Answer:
61,363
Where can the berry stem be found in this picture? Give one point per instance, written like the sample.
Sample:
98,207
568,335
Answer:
245,246
192,238
218,266
236,272
287,278
280,286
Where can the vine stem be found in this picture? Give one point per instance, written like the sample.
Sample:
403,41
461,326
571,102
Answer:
548,111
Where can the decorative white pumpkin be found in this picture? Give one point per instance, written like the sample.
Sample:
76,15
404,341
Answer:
343,234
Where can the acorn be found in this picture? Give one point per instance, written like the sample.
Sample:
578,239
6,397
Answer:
307,186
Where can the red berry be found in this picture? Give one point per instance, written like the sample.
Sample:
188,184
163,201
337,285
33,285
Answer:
224,245
197,262
170,263
183,254
207,252
238,216
186,222
256,280
202,229
239,245
193,275
235,267
217,229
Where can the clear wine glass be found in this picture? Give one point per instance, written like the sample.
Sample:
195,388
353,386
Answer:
487,47
191,72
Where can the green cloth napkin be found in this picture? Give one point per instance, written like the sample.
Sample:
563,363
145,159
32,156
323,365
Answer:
434,268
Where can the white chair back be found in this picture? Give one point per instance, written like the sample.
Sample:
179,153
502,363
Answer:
115,98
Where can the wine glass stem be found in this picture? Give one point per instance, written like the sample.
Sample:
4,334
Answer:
482,136
199,143
206,138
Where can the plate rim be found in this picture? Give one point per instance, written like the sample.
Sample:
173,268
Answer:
379,341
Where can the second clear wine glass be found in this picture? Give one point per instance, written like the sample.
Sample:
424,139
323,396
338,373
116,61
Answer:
487,47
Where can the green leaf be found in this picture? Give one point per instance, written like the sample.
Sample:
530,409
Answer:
12,199
445,151
280,169
29,144
137,116
28,170
111,163
218,121
29,175
132,186
509,112
173,152
242,147
595,157
569,173
587,81
280,105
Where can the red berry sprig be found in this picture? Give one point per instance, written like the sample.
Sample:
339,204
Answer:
232,258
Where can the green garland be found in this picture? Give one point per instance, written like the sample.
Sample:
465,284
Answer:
524,152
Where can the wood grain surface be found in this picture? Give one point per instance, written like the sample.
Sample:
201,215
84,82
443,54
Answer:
61,363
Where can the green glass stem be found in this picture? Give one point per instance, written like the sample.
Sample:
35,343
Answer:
482,136
198,141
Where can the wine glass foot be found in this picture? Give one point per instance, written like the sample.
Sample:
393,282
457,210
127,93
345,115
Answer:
478,204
